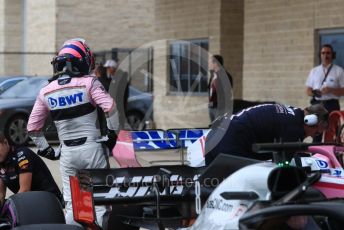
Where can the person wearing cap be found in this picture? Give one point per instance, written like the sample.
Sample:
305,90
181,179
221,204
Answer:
265,123
111,67
119,89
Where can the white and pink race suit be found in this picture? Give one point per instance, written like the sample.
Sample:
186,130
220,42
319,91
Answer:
72,103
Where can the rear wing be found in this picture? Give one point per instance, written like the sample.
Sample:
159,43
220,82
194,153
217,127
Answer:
134,185
151,186
130,142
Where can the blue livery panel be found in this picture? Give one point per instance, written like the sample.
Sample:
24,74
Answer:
160,139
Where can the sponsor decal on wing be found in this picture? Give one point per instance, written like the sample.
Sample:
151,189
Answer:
160,139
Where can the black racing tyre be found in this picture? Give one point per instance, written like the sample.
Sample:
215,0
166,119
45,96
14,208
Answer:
49,227
15,130
36,207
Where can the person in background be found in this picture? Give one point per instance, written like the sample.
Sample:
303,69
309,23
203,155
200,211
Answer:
325,82
219,88
21,170
111,67
101,73
71,98
119,89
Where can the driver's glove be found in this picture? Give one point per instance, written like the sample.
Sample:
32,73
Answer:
112,138
49,153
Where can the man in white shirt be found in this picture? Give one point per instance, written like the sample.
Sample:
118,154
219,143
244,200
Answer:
325,82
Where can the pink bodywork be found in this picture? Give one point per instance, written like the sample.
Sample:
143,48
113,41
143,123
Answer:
331,186
124,152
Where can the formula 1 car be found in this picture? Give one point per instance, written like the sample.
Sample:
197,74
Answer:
151,197
267,194
33,210
168,196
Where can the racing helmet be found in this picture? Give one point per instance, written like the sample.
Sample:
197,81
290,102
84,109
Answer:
74,58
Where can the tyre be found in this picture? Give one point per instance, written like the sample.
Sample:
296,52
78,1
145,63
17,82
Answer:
16,132
135,120
35,207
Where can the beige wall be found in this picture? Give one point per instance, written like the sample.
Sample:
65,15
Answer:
12,37
2,35
232,38
40,36
27,26
279,47
182,20
106,24
221,21
49,23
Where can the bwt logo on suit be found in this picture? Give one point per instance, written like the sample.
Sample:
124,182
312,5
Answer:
65,100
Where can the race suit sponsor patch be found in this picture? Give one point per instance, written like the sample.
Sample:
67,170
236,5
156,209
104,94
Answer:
23,163
66,98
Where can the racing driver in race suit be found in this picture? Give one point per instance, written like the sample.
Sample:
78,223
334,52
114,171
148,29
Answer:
71,98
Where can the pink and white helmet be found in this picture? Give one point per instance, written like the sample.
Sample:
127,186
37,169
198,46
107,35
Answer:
74,58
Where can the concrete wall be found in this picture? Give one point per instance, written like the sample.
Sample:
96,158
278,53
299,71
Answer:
232,39
279,46
40,36
106,24
109,24
182,20
27,26
42,26
12,39
2,35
